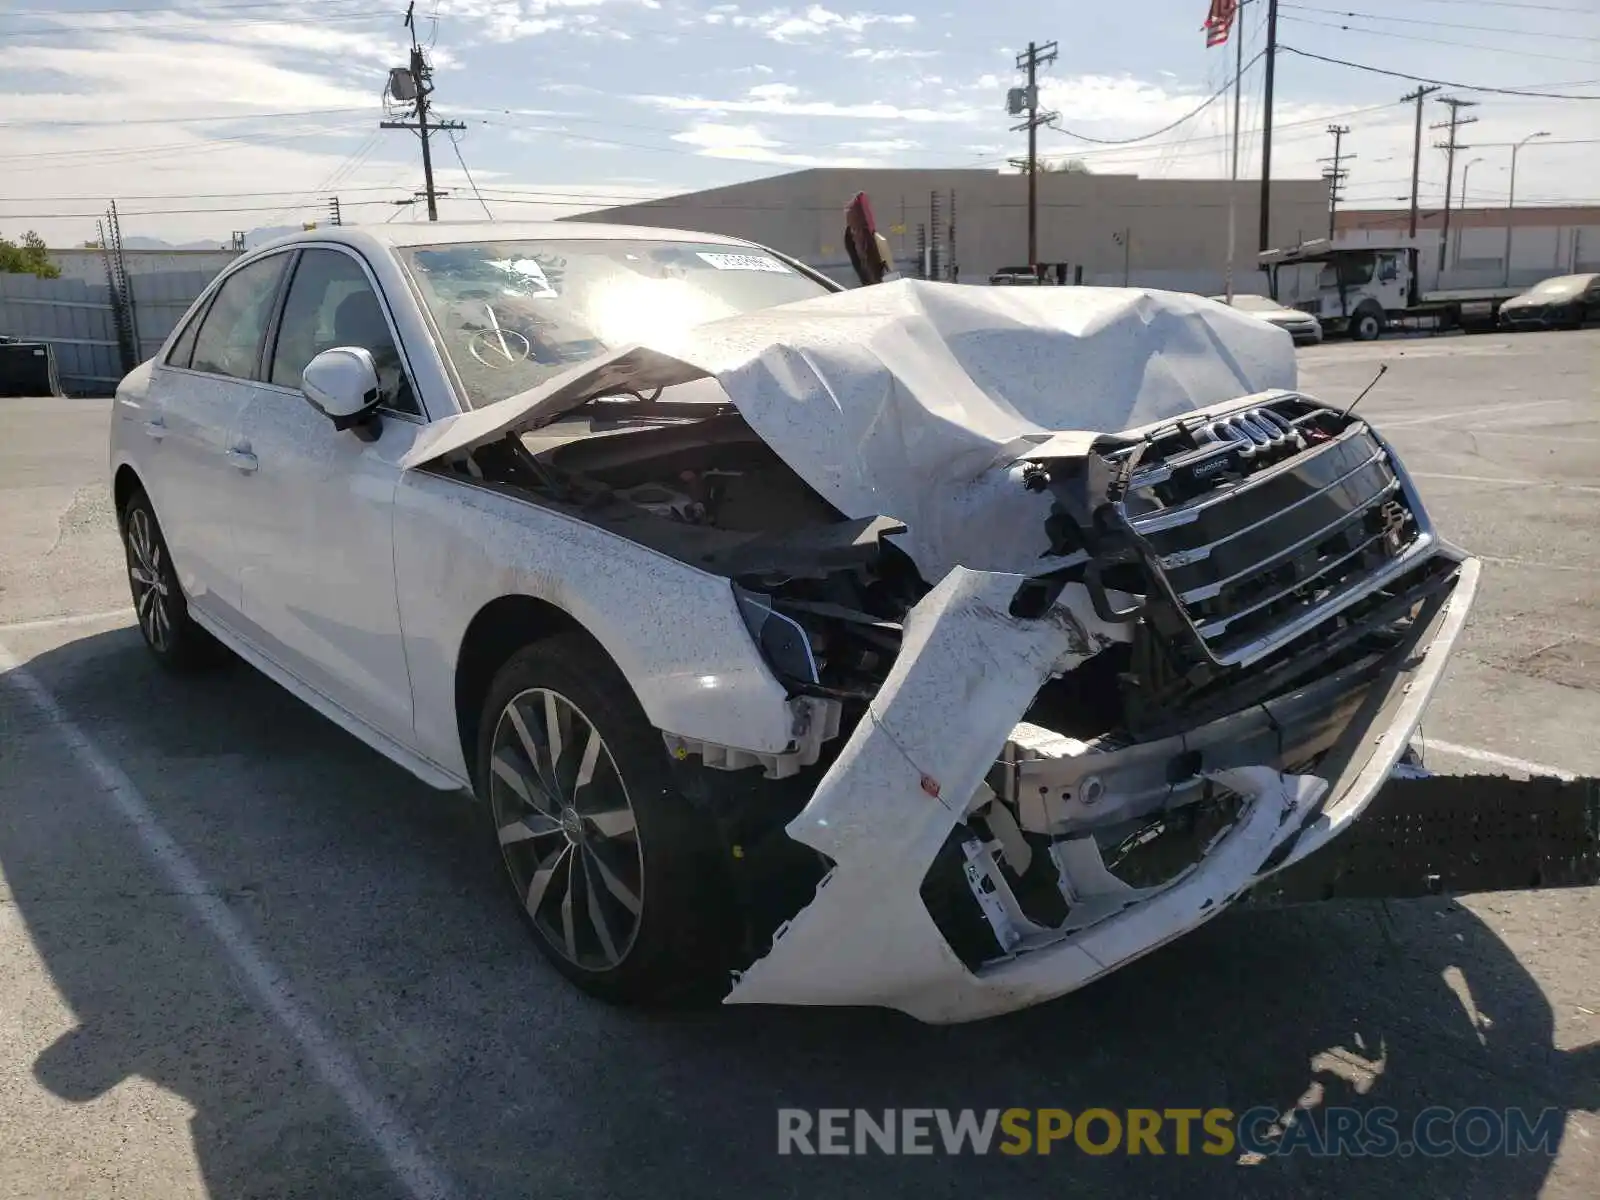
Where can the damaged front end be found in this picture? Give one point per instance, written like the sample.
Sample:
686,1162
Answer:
1238,623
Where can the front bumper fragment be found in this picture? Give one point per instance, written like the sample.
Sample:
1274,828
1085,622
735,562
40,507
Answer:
915,766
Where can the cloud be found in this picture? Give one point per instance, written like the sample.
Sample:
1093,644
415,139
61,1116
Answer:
882,146
513,20
786,25
870,55
785,104
750,144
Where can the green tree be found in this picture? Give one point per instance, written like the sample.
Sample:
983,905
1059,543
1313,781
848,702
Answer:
29,258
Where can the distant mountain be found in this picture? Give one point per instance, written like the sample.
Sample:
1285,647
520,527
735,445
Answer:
252,239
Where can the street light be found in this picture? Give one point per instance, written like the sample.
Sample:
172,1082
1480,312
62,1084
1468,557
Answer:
1461,208
1511,197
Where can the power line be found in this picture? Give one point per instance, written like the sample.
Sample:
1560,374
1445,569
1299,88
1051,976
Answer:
1465,87
105,124
1411,37
101,153
1584,12
1191,114
197,24
455,145
199,10
1365,16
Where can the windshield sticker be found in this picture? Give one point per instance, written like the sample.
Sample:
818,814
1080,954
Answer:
744,262
527,275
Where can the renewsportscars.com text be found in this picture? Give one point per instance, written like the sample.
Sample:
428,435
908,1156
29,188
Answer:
1263,1131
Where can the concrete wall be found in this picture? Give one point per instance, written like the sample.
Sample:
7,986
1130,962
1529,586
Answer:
1177,228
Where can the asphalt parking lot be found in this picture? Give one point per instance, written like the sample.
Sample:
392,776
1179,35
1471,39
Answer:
243,956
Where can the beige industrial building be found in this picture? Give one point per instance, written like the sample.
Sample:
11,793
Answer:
1107,229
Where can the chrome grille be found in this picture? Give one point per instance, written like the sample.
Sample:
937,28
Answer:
1259,561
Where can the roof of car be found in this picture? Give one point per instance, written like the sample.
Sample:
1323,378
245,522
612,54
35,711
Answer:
434,233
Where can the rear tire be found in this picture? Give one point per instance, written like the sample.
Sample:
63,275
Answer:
621,881
171,635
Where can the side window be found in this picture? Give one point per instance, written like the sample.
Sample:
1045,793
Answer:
230,335
183,347
1388,268
330,304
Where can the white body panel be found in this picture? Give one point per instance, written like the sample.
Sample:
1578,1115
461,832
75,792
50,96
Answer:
350,567
675,631
313,526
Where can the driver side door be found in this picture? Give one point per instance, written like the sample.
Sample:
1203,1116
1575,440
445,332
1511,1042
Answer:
316,535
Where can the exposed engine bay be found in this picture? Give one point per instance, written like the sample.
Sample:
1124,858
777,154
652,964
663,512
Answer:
1255,565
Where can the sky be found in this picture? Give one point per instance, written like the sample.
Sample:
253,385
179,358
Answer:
201,117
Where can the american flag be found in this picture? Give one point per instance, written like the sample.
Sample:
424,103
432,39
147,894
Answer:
1219,21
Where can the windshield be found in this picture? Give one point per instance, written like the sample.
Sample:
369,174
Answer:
513,314
1563,285
1252,303
1350,270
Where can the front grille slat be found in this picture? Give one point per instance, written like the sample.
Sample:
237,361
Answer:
1186,557
1254,563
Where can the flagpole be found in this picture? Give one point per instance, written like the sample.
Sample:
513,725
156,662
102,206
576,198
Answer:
1233,176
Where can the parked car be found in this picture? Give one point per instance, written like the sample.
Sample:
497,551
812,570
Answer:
1303,327
1567,301
915,645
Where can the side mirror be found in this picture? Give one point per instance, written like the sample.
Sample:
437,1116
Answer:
342,385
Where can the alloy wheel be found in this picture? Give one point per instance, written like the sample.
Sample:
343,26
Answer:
151,599
566,829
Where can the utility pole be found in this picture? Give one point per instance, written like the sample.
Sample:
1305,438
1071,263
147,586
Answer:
1233,162
1416,150
1450,147
414,85
1035,57
1335,175
335,217
1266,126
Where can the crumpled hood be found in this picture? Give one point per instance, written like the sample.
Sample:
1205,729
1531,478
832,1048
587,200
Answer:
913,399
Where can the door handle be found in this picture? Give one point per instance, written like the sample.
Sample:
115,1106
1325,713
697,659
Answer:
244,460
156,428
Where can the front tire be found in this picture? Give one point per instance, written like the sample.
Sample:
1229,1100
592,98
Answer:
620,880
1367,325
171,635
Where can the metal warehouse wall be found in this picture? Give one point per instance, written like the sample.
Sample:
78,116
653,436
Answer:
1177,227
76,319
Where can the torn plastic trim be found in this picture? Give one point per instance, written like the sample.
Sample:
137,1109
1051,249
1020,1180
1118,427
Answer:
1363,760
965,676
817,721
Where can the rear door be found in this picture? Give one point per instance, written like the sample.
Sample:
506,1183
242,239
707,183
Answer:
195,401
315,524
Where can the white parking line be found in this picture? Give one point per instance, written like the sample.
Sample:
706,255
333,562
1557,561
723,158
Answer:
67,619
1402,421
398,1145
1495,760
1527,483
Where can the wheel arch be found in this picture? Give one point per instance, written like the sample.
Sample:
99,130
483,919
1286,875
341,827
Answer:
124,483
497,631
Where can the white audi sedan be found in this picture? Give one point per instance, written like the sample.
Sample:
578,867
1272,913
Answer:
918,645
